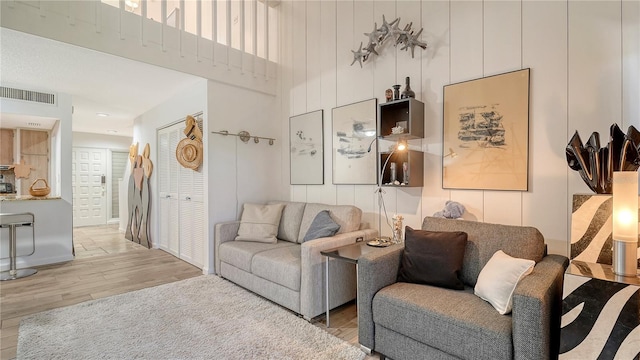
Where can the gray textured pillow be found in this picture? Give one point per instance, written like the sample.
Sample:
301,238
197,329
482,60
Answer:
260,223
321,226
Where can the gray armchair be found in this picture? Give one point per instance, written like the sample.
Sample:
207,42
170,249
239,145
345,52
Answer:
413,321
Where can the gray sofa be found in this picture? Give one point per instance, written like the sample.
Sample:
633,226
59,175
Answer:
412,321
291,272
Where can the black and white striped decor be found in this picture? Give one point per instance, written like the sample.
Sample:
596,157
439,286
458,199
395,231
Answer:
600,318
591,228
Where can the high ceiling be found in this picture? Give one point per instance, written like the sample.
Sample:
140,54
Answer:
97,82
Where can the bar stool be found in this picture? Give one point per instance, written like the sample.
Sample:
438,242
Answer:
13,221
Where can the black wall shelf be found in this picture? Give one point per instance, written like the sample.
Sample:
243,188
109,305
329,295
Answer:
408,113
415,166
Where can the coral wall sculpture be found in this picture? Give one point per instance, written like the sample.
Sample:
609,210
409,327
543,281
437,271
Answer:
379,35
596,164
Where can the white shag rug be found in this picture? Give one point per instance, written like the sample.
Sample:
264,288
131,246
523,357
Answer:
204,317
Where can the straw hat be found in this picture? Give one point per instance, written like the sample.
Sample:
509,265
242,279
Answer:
189,153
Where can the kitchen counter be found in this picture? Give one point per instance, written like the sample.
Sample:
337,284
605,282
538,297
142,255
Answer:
14,197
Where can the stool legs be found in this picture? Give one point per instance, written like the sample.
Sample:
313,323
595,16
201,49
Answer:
14,273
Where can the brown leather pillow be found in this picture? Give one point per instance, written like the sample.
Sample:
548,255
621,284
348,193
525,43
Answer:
433,258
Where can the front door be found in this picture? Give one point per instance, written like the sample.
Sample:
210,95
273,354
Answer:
89,167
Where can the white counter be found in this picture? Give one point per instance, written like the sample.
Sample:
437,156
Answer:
53,227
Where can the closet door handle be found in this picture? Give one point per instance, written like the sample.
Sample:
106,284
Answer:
187,198
168,196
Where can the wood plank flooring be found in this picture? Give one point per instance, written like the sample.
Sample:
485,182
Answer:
107,264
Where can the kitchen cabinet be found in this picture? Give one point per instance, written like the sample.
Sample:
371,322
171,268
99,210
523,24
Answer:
6,146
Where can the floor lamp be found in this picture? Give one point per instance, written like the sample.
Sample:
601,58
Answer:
400,146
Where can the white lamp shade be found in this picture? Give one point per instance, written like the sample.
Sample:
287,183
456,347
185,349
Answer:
625,206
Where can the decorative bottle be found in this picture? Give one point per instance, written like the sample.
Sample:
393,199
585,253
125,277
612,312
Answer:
408,93
396,92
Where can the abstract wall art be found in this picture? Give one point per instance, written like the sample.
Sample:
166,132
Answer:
354,146
486,124
306,145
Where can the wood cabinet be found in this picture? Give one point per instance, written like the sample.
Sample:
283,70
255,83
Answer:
34,151
405,113
6,146
181,201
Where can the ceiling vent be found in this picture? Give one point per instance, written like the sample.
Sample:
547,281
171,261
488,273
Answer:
27,95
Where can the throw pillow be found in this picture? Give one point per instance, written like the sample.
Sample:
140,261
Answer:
433,258
260,223
498,279
321,226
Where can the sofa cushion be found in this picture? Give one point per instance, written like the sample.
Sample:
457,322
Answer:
281,266
484,239
463,323
433,257
240,253
322,226
347,216
259,223
499,278
289,227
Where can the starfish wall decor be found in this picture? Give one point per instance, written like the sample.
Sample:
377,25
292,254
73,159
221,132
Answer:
379,35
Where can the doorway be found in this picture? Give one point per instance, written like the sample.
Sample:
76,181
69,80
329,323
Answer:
89,182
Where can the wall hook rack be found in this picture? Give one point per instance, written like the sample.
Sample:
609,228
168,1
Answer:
245,136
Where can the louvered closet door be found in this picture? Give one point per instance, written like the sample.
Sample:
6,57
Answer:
181,197
191,197
168,190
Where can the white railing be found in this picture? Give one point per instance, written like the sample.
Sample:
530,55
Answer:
246,25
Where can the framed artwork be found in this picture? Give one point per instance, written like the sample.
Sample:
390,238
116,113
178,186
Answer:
354,147
306,145
486,133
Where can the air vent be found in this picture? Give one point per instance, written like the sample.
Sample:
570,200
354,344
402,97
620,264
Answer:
27,95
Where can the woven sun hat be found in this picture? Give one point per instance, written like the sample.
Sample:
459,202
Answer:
189,153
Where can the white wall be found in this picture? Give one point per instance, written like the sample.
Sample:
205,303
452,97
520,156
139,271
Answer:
53,218
190,100
584,62
100,141
241,172
234,171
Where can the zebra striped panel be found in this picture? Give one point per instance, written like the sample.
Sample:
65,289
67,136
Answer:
591,229
600,318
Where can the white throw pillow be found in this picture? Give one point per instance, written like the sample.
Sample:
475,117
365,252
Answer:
498,279
260,223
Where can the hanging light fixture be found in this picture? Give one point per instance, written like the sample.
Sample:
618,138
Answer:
625,222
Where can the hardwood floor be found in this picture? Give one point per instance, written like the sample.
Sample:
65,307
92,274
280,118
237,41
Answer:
107,264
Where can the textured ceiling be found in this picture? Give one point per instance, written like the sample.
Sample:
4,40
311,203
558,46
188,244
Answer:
97,82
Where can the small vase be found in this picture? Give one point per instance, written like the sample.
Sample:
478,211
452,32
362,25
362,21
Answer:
408,93
396,92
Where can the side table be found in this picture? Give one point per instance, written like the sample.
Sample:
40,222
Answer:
349,253
600,313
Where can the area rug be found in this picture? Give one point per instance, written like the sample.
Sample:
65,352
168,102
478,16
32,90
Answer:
204,317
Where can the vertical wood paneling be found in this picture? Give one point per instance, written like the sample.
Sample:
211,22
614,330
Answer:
313,56
594,67
384,78
327,44
466,45
544,205
346,40
435,72
299,49
502,50
298,77
584,65
630,64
